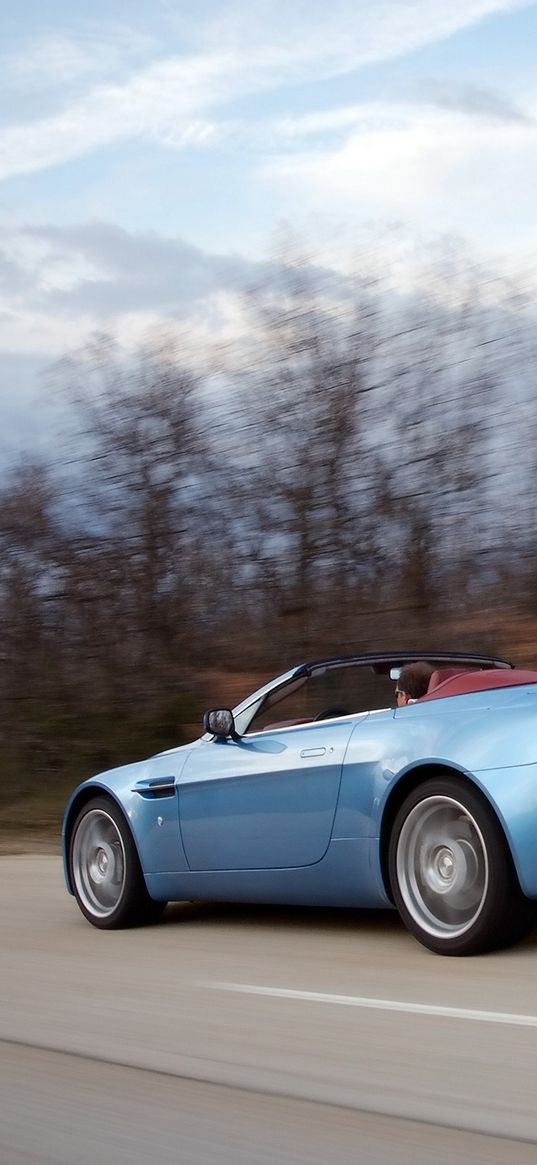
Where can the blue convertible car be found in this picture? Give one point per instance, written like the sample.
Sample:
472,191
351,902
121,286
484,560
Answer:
316,790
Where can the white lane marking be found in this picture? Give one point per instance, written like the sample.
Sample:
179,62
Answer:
381,1004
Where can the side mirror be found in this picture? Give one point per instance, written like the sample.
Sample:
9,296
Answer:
219,722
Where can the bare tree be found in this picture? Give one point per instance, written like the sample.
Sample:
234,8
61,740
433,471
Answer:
305,395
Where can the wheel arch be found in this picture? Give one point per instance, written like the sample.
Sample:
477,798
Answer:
405,785
85,794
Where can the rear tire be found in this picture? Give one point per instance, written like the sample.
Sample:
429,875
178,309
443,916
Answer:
105,870
451,872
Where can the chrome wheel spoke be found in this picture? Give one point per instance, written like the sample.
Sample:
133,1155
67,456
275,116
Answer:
442,866
99,867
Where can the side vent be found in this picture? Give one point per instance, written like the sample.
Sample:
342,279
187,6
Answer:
155,787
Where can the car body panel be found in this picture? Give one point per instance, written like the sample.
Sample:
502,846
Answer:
263,801
347,875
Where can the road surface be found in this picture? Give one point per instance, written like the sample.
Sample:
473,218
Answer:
248,1036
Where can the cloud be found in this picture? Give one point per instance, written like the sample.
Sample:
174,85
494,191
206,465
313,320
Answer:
69,282
149,105
59,59
247,50
433,169
54,69
13,278
474,101
57,285
122,272
288,132
306,35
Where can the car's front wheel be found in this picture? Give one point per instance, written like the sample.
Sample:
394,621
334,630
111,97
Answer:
105,871
451,873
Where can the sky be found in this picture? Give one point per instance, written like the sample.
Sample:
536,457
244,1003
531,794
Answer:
151,153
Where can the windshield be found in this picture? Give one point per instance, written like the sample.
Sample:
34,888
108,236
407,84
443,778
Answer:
329,691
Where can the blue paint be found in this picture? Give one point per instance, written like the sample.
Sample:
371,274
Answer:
294,814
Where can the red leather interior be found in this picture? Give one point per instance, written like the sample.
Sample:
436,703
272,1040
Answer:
479,681
444,673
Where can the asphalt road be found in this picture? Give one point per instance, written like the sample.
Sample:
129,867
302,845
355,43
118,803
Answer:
247,1036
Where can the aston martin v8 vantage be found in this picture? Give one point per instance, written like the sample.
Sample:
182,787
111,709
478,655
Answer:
318,790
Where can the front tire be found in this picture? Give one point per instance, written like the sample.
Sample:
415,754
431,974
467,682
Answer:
105,870
451,873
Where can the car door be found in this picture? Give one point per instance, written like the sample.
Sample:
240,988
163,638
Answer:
263,801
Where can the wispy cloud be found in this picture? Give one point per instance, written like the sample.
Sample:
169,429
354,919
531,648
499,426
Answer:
346,34
250,48
151,104
55,69
474,102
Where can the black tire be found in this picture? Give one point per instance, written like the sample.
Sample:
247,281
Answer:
105,870
451,872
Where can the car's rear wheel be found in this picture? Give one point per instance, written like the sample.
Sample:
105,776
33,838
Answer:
105,870
451,872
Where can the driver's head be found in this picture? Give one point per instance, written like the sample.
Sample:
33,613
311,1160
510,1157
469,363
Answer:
413,682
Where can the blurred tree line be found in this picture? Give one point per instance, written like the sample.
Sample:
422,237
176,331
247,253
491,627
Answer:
354,472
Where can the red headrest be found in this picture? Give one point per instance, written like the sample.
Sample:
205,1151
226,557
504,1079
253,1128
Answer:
441,674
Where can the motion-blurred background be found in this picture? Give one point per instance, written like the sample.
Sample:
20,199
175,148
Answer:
268,353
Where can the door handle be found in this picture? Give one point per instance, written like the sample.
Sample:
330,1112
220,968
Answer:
313,752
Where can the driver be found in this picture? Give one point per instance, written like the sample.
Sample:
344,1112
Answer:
413,682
